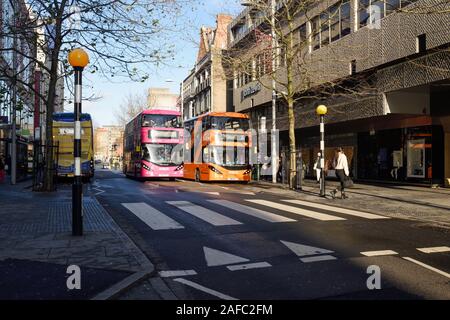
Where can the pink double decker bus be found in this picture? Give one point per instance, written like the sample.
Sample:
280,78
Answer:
153,145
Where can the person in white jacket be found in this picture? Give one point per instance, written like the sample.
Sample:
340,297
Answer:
317,167
342,171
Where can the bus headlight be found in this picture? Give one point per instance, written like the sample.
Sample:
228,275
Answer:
180,167
214,170
146,167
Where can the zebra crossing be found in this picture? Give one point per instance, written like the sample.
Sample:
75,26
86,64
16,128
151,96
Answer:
254,208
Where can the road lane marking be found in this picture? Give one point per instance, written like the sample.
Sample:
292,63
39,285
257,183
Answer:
295,210
302,250
248,266
204,289
176,273
378,253
155,219
337,209
318,258
213,193
216,258
204,214
443,273
434,249
261,214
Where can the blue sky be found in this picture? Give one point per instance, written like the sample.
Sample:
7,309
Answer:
113,94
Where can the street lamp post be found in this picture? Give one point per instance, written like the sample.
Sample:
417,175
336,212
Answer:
78,59
321,112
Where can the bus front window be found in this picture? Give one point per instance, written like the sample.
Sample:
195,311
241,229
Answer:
229,156
161,121
226,123
162,154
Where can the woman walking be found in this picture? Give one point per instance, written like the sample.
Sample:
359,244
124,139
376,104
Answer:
342,171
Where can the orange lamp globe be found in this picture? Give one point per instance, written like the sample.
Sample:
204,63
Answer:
78,58
321,110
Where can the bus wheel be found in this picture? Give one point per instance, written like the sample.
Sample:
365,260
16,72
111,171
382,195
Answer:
197,175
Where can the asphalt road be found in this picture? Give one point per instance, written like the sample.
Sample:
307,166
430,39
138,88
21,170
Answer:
231,241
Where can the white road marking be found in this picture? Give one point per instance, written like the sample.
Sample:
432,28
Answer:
443,273
249,266
226,188
213,193
246,192
434,249
265,215
318,258
176,273
155,219
337,209
153,184
204,289
302,250
295,210
378,253
204,214
216,258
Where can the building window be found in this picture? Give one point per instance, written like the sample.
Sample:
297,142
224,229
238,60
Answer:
303,35
331,25
352,67
421,43
315,31
325,29
345,18
391,6
363,13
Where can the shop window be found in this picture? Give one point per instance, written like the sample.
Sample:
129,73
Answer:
416,158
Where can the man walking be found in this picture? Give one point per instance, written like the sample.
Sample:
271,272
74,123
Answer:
342,171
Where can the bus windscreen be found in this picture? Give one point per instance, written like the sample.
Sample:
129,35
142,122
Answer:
162,154
161,121
226,123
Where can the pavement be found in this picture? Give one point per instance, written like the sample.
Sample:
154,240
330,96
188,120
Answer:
422,204
232,241
38,247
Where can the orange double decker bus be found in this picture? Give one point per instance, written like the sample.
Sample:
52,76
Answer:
217,147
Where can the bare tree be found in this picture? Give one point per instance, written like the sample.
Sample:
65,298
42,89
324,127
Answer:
277,56
131,106
124,38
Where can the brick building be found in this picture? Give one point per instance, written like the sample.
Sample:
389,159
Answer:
205,89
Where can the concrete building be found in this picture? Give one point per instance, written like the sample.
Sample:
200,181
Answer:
205,88
399,129
108,142
162,98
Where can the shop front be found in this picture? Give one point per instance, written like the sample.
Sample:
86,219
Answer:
402,155
395,149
